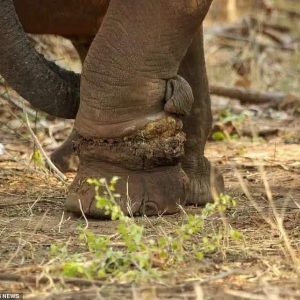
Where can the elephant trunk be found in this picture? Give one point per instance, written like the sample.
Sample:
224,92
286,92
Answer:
46,86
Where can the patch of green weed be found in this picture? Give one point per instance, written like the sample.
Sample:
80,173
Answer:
139,257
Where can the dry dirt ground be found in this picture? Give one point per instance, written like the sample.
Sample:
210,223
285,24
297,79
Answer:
260,160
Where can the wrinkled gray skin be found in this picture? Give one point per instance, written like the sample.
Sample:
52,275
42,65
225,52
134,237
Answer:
130,80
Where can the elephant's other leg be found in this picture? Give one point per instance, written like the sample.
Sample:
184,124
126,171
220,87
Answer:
130,96
197,126
64,157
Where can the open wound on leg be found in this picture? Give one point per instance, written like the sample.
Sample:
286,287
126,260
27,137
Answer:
147,164
159,143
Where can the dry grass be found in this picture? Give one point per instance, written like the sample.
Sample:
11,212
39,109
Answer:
262,174
32,220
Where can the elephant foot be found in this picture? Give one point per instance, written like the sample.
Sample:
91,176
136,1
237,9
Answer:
64,157
152,192
205,182
151,181
65,160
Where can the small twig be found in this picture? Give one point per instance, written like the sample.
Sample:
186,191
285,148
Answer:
33,204
287,243
219,276
129,202
20,247
251,199
83,214
296,203
61,221
52,167
245,295
3,205
43,280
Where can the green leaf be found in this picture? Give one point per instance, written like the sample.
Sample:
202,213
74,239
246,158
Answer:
37,158
218,136
235,235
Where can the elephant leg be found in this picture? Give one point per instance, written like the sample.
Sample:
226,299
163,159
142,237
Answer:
128,121
64,157
197,125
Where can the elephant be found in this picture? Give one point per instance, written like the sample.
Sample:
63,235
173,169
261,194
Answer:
141,105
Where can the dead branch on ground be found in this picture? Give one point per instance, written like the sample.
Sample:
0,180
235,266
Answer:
274,99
